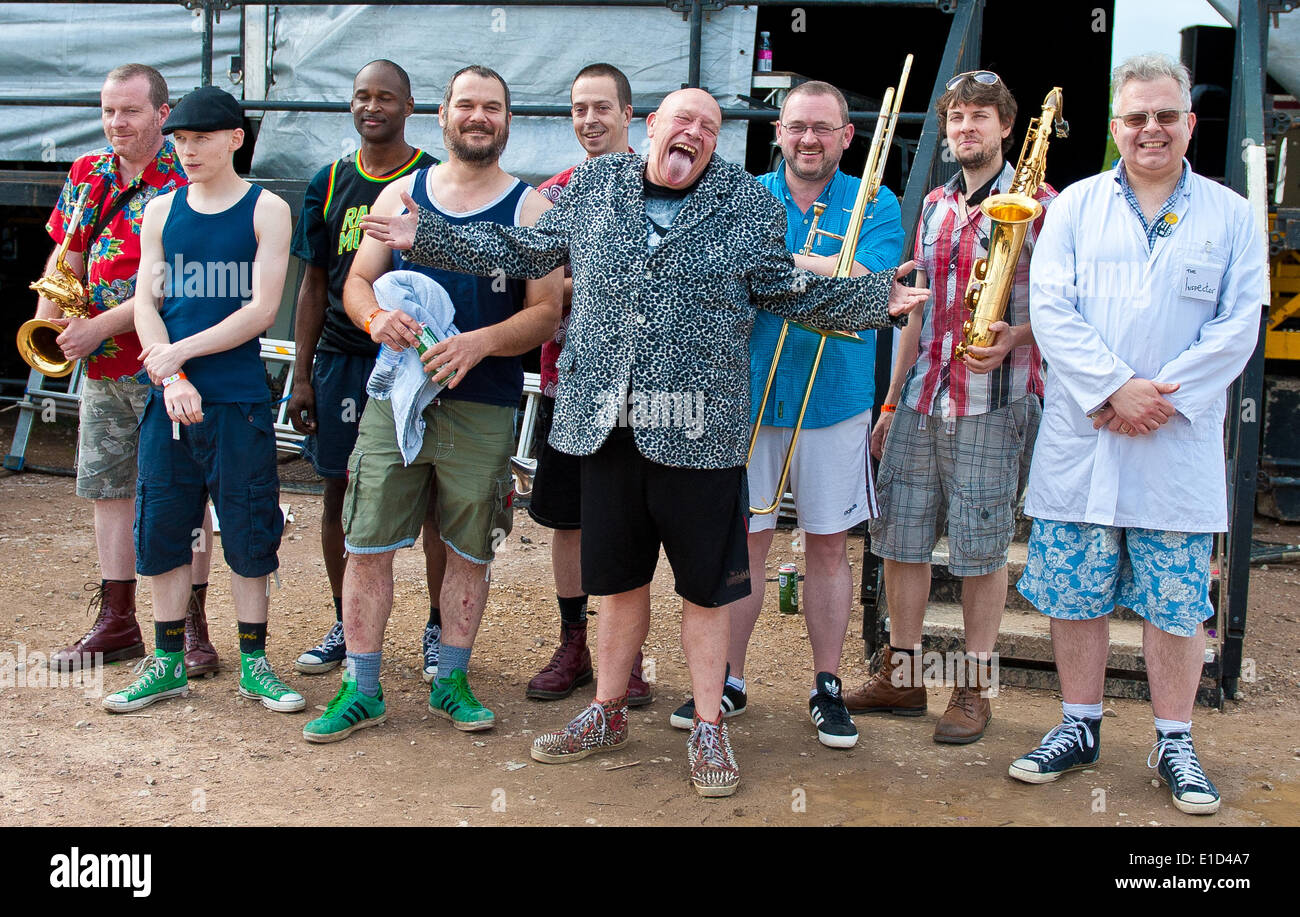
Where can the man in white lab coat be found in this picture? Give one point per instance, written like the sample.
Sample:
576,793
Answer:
1145,293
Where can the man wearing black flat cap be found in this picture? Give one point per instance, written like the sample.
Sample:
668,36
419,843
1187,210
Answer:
214,256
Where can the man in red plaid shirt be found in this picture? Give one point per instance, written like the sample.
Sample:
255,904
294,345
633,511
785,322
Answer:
954,433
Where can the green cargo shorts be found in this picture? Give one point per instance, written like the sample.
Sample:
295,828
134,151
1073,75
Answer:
108,436
467,446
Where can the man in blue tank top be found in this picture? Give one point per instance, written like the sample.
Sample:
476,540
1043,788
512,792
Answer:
213,257
469,431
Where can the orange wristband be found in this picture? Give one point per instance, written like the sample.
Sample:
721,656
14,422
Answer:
370,318
888,408
177,377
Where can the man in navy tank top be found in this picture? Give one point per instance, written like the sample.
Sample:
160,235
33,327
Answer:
213,258
464,462
333,357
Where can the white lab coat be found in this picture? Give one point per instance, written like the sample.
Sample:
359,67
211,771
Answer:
1104,310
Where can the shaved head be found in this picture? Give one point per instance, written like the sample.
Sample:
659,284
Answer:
683,134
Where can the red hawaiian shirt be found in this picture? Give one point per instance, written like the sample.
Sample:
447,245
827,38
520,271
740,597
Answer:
113,257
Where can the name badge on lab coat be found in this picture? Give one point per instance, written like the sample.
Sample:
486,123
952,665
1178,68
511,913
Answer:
1201,281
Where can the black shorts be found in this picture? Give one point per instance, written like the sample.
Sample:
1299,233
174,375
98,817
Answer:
631,505
556,500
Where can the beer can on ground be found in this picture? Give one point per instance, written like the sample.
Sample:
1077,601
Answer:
787,579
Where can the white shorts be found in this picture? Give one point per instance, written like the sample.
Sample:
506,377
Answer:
830,476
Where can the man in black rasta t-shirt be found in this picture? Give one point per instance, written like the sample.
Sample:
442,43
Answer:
334,357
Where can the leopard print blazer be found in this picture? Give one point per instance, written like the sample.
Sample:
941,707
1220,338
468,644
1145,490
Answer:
660,339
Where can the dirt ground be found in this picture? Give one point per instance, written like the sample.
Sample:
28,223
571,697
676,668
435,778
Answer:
216,759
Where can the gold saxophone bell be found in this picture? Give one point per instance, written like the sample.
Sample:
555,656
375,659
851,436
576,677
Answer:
873,174
36,337
992,276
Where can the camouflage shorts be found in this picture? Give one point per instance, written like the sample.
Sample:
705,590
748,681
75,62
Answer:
106,444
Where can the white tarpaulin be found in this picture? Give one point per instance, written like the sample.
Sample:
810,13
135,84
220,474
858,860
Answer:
537,49
63,51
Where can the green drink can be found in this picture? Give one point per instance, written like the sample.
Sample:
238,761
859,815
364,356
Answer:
426,340
787,579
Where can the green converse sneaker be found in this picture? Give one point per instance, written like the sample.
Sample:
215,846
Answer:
348,711
256,680
452,699
162,675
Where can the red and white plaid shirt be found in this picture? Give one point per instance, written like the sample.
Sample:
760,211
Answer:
949,240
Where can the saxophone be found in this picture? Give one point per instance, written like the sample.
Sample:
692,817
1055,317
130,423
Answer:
36,337
991,278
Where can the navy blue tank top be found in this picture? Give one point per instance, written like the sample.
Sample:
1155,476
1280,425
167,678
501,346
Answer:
208,260
495,380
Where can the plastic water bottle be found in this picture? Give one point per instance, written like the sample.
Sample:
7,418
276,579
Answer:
764,52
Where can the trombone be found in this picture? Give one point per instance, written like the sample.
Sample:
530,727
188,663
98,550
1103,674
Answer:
873,174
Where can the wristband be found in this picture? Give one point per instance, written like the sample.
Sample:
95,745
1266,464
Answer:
173,378
370,318
888,408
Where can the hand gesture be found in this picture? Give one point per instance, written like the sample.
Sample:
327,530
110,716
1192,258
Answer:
1138,407
397,231
904,299
448,361
161,361
983,360
302,407
79,338
183,402
396,329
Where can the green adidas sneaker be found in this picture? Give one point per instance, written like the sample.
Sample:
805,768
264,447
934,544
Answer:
452,699
162,675
348,711
259,682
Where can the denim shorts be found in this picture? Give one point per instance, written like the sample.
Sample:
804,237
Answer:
228,456
339,382
1078,571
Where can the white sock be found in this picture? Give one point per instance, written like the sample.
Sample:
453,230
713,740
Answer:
1165,727
737,683
1082,711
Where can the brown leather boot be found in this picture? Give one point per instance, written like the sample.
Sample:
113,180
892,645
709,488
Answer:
200,654
569,668
115,632
639,691
966,718
890,690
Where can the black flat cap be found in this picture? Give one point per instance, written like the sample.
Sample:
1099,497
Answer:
205,109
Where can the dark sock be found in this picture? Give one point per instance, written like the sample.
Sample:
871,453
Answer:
252,637
338,608
169,636
435,616
904,652
573,610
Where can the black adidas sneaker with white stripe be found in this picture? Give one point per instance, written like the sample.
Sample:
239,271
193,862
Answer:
835,727
733,703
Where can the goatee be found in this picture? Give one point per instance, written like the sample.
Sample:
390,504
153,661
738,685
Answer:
466,152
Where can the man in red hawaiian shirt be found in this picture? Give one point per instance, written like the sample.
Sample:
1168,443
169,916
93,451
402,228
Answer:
602,110
105,252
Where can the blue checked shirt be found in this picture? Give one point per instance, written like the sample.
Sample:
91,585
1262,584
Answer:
1158,226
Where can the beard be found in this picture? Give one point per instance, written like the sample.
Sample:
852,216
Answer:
456,146
824,170
979,158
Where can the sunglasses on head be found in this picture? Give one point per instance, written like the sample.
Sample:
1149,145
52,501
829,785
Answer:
1165,117
987,77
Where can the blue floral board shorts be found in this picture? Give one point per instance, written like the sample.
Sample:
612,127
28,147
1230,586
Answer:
1078,571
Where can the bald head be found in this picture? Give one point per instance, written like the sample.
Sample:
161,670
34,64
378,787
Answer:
683,134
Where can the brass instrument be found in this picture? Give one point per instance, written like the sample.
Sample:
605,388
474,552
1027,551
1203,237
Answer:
991,277
36,337
872,175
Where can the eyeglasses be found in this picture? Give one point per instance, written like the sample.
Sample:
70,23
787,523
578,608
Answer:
821,130
1165,117
987,77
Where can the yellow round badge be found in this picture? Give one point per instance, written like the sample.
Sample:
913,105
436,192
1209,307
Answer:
1171,218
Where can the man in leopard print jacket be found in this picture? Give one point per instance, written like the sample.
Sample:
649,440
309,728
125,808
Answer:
671,254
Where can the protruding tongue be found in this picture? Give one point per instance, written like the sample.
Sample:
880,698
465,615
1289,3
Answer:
679,166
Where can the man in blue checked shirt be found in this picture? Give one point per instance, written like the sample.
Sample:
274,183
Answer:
829,474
